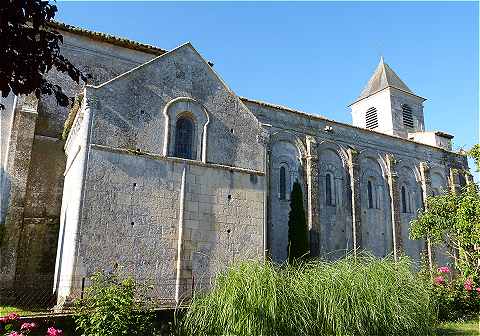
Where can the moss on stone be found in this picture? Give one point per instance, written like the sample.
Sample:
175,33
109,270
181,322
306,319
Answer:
71,116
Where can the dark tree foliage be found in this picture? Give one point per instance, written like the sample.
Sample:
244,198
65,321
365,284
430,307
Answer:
298,247
29,49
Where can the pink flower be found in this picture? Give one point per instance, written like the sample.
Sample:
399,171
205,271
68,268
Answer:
478,290
439,280
54,332
14,333
443,269
13,316
28,326
468,284
4,320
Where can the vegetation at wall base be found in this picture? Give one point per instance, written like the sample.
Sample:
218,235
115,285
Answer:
363,296
298,247
113,305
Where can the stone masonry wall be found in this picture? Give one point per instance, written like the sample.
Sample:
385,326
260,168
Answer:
130,109
131,218
375,223
38,226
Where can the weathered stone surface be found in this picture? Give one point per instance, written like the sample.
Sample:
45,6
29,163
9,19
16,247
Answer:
121,184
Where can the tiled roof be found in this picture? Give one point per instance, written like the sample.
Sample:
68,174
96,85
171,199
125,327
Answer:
122,42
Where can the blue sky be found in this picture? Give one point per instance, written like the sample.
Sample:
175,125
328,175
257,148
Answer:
317,56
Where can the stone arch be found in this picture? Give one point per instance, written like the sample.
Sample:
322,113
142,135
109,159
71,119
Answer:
375,214
377,157
335,216
409,178
331,162
335,147
186,107
439,180
287,151
410,197
286,136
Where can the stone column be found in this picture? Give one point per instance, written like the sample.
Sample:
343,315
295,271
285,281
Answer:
354,172
313,197
180,288
394,205
426,192
455,189
18,163
264,141
452,180
468,177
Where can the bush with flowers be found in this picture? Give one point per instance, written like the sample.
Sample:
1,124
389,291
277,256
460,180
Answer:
458,297
10,325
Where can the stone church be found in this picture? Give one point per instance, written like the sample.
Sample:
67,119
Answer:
167,173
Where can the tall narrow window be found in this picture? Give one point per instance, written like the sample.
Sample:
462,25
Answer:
407,116
283,183
184,138
371,118
404,200
370,194
328,189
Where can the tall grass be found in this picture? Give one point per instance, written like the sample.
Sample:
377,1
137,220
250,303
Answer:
363,296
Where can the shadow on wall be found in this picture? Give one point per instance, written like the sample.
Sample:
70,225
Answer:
5,197
5,185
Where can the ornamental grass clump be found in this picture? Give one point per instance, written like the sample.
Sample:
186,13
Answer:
362,296
245,301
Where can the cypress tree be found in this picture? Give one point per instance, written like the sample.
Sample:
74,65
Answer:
298,247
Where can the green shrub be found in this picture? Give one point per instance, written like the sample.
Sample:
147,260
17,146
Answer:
363,296
298,247
111,306
457,297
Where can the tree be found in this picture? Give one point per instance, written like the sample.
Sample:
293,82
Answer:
297,226
474,153
29,48
453,220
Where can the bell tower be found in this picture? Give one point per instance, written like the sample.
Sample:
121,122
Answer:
387,105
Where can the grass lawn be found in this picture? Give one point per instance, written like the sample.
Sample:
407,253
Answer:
4,310
469,328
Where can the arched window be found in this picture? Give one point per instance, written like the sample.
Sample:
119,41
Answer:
407,116
329,189
184,130
404,200
283,183
371,118
370,194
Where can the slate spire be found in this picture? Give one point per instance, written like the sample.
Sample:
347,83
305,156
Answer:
382,78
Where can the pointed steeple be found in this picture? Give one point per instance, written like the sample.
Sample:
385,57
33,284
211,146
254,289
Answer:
382,78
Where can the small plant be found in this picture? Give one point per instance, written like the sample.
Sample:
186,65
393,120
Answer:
112,306
10,326
298,247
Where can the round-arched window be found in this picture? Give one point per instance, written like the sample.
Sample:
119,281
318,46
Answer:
184,130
